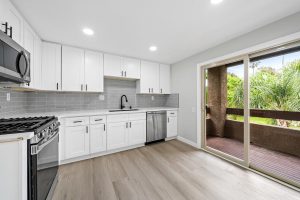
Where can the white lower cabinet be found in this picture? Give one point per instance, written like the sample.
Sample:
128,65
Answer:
97,138
76,141
126,130
117,135
87,136
137,132
172,124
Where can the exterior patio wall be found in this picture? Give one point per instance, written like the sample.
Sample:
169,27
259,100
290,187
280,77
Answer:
274,138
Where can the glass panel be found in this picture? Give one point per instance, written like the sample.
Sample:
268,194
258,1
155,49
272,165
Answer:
275,141
225,127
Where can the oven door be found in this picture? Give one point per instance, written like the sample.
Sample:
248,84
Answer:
44,166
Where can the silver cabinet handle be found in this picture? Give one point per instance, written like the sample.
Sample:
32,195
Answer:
104,127
149,90
122,73
168,119
129,124
125,73
56,86
81,87
152,90
126,124
86,87
77,121
87,129
161,90
97,120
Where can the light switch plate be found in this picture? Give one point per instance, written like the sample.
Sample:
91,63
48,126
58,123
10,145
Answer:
101,97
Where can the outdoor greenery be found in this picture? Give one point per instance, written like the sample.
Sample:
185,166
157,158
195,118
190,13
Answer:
269,90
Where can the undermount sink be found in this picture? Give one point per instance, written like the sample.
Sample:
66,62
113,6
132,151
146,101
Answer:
122,110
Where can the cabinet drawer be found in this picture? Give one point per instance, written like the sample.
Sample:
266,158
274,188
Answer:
137,116
117,118
98,119
172,113
76,121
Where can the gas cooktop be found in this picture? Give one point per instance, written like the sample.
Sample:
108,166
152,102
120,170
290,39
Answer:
30,124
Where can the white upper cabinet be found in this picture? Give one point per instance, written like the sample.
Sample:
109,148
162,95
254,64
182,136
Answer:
164,79
112,65
14,20
121,67
93,71
72,69
149,82
51,66
131,68
32,43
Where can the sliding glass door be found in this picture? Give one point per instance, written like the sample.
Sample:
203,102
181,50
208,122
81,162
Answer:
251,111
275,106
224,109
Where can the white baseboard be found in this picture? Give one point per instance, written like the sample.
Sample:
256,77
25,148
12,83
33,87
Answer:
187,142
94,155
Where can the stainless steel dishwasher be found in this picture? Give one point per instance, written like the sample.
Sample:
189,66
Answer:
156,126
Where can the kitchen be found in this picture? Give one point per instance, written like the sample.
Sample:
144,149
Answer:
68,103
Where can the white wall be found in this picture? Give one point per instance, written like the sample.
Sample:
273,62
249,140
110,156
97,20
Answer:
184,73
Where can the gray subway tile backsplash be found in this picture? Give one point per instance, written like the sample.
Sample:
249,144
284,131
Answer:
28,102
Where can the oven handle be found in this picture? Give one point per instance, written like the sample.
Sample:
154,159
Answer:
37,148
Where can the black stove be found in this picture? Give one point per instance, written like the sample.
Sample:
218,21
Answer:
30,124
42,152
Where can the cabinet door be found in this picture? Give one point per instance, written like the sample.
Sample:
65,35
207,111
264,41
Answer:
29,46
117,135
51,66
37,62
137,132
131,68
93,71
76,141
97,138
172,127
164,79
3,15
15,21
112,66
149,82
72,69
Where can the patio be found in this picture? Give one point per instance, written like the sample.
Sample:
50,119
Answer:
273,162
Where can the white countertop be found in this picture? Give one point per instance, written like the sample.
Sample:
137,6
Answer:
64,114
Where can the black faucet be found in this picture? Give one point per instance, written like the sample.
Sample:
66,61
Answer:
122,106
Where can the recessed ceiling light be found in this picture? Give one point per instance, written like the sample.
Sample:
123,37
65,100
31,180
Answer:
88,31
215,1
153,48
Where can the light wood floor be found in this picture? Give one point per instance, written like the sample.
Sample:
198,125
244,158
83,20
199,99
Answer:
170,170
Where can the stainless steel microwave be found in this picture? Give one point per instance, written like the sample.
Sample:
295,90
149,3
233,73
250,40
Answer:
14,61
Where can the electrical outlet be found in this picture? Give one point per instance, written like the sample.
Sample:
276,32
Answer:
7,96
101,97
152,98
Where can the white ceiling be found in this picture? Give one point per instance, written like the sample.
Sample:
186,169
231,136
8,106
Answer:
179,28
